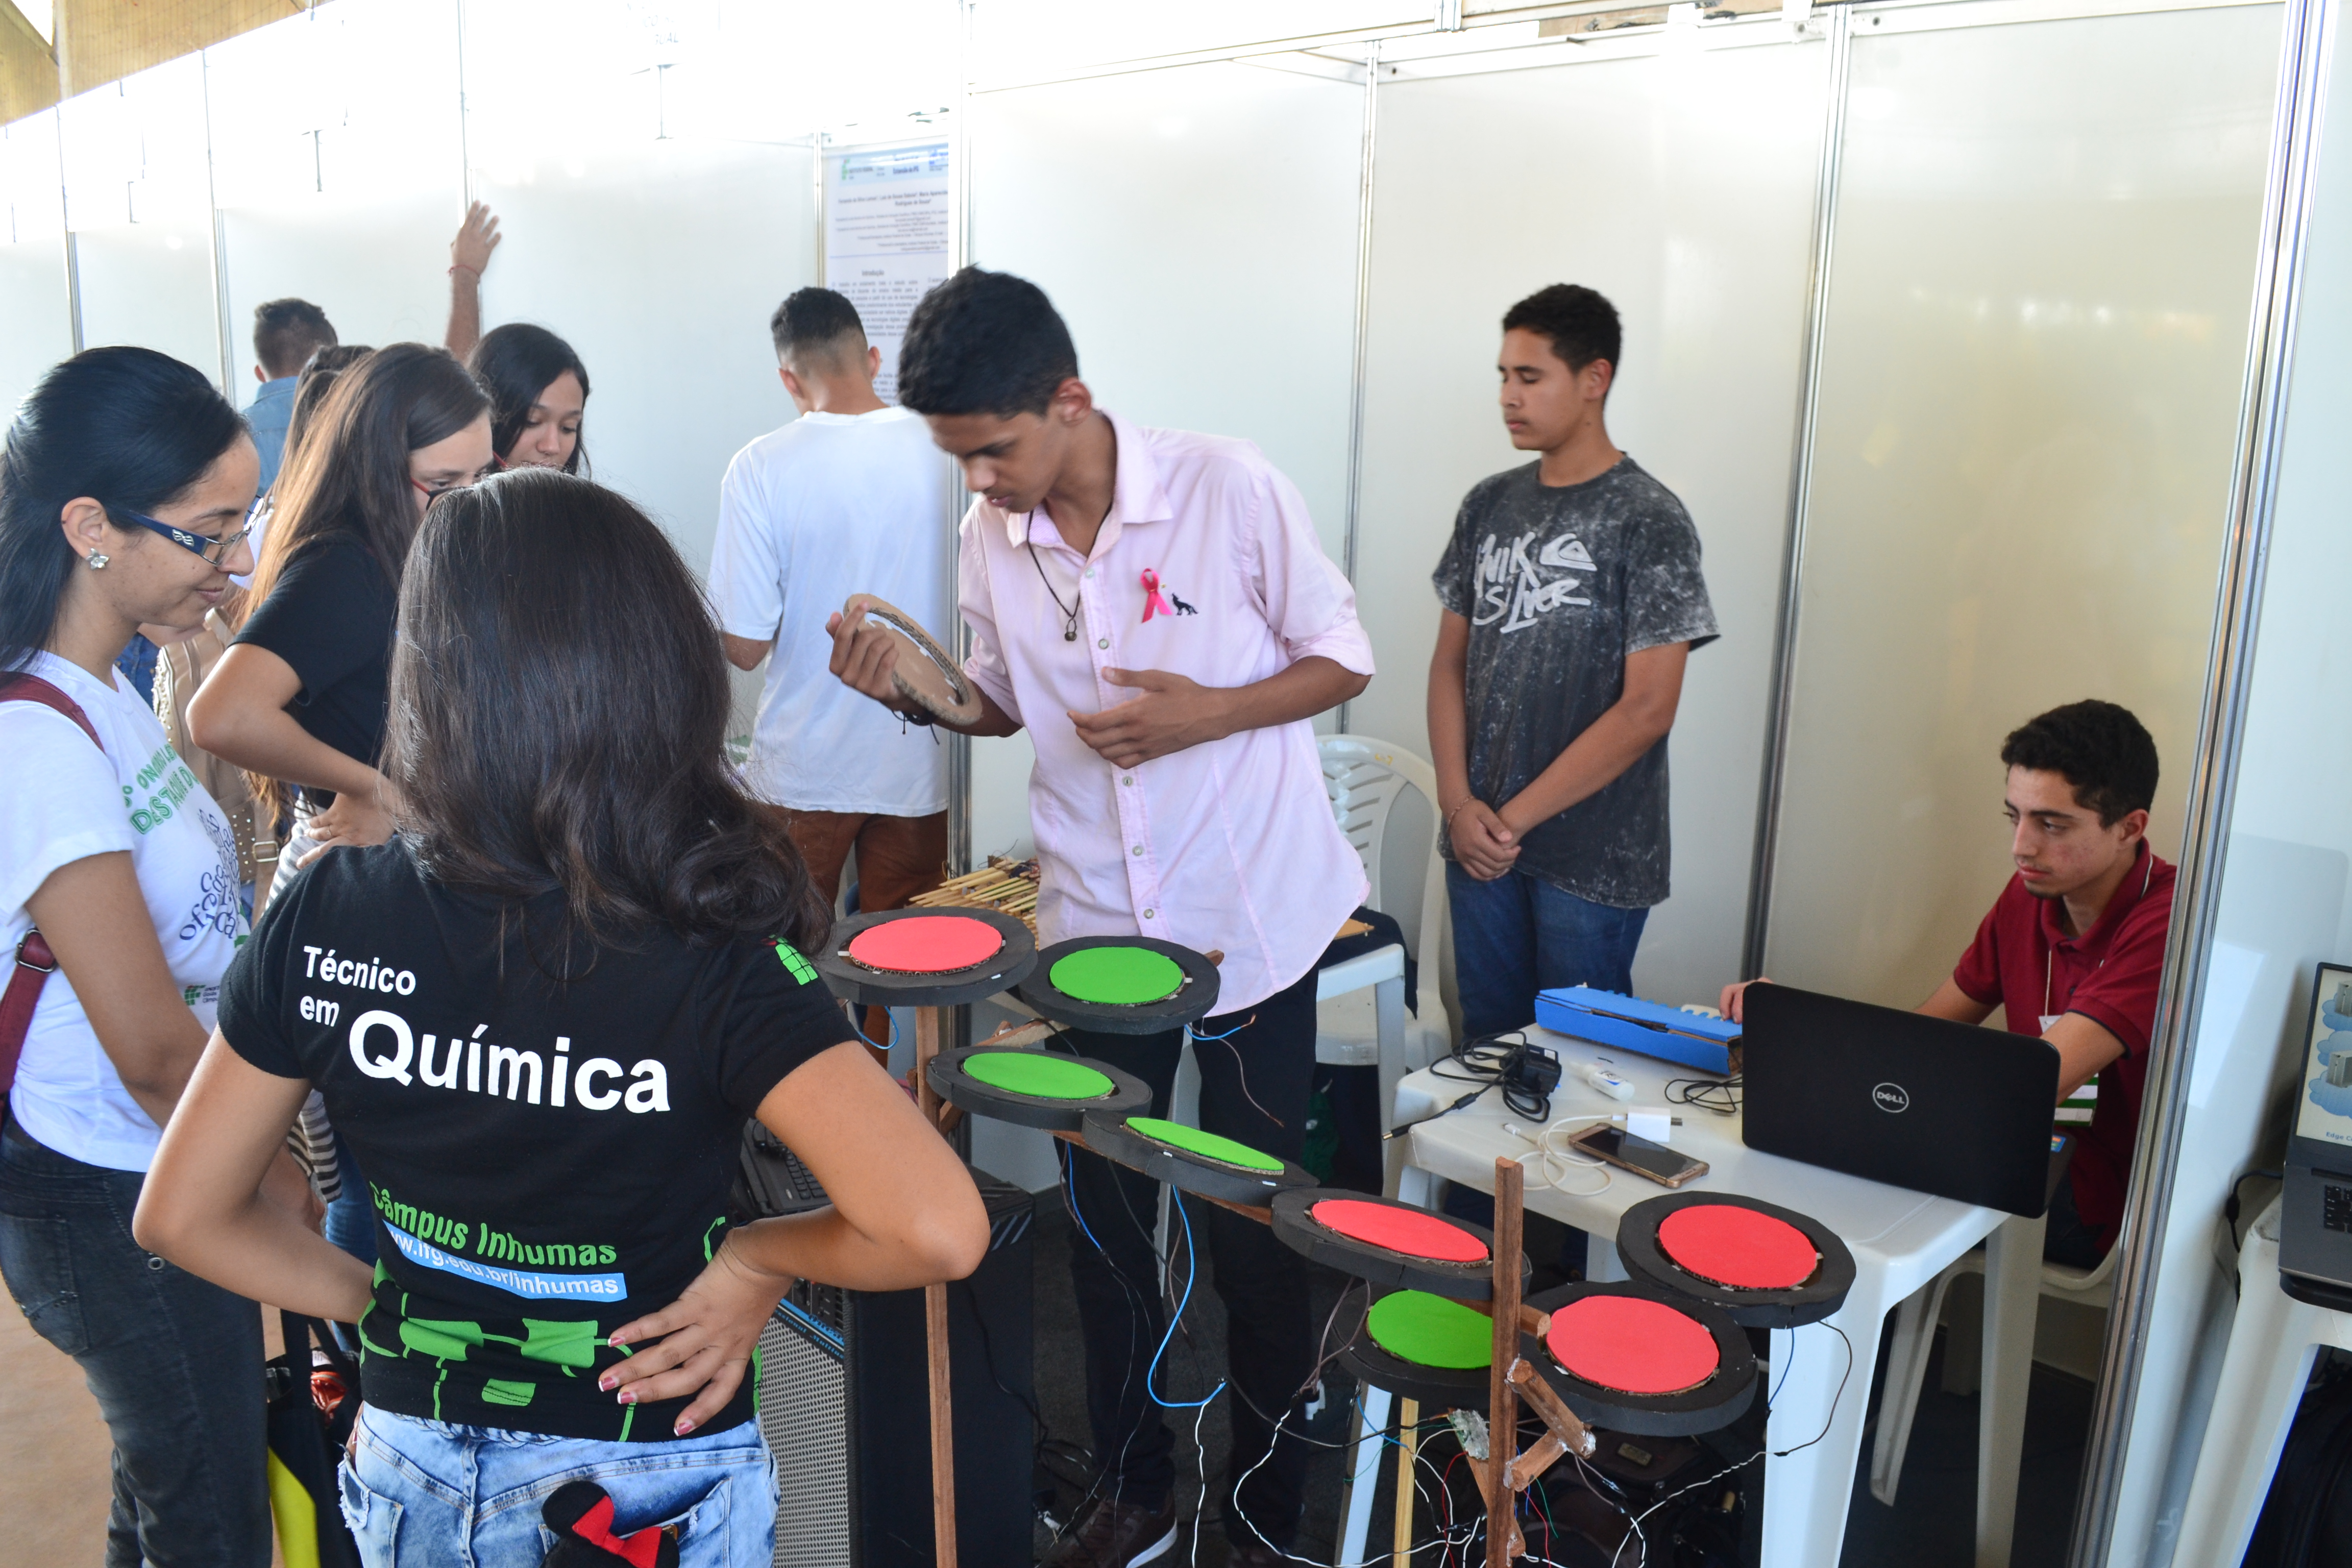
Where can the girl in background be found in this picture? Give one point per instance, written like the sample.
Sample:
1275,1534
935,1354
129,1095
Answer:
538,386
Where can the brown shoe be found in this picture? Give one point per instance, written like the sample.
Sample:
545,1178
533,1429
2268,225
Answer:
1114,1534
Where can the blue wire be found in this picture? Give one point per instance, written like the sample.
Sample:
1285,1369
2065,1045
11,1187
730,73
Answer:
1784,1383
1229,1033
1192,1272
1070,1183
886,1050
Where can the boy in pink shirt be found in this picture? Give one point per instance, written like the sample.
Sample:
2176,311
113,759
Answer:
1153,607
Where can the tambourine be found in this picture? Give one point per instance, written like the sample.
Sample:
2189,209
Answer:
1390,1244
1765,1266
1045,1090
1632,1358
1121,985
926,958
924,674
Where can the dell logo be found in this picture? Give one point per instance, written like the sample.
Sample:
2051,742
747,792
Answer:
1891,1098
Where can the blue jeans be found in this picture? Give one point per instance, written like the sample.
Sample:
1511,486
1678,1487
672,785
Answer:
174,1362
425,1494
1515,936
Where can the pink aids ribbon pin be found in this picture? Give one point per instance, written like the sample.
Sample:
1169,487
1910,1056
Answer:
1153,604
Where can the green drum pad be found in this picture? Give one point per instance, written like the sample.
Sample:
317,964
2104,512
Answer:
1193,1140
1117,976
1041,1077
1430,1331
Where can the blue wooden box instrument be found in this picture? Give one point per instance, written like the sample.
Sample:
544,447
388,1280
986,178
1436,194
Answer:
1652,1028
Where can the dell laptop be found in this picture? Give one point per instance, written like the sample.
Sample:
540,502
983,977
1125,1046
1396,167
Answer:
1950,1109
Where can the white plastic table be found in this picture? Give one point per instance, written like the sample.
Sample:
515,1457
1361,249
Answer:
1900,1239
2272,1342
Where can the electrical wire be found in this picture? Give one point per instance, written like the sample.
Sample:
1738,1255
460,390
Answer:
887,1013
1720,1095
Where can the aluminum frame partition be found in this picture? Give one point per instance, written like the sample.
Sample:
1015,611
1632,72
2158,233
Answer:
2304,47
1838,23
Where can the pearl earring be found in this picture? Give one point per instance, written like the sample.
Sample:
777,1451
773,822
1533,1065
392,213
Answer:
97,562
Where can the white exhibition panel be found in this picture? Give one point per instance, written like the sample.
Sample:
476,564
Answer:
1197,230
36,310
1681,185
2287,869
339,169
138,194
639,229
2042,275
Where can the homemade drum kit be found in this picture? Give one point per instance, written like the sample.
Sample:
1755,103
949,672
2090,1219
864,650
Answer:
1663,1353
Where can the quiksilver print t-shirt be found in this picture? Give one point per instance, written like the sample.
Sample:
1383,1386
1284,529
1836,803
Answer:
549,1158
1559,584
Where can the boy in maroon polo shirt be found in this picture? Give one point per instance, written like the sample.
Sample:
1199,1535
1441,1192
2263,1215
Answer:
2074,947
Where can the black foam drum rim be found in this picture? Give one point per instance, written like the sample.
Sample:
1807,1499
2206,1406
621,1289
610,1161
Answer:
853,981
1712,1406
1109,1136
1809,1302
1129,1095
1437,1388
1193,999
1295,1227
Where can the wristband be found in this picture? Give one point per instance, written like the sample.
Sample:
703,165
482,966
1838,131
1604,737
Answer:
461,267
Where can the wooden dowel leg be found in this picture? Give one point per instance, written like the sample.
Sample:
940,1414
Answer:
943,1507
1408,1450
929,1021
1575,1436
1502,1398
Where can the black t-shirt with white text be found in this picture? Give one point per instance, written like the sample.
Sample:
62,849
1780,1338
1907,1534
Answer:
546,1160
1559,584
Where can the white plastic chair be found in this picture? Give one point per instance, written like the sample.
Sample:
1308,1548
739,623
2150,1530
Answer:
1915,1335
1386,802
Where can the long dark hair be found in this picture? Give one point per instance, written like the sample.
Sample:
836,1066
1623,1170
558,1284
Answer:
537,751
350,475
317,379
126,426
516,362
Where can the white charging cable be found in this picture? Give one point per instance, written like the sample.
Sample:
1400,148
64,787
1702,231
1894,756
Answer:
1558,1162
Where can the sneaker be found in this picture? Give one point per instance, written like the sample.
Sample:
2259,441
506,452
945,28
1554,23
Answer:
1114,1534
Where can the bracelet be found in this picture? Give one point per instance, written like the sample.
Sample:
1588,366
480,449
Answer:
1446,830
461,267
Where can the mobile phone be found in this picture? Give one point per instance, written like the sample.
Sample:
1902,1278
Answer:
1639,1155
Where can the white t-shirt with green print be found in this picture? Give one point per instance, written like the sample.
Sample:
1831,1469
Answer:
66,801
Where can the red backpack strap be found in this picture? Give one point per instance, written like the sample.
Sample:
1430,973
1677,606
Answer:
35,962
21,687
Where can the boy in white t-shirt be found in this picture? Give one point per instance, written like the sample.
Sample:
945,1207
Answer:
850,498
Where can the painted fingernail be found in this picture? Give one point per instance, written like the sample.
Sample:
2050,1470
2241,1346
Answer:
608,1383
628,1396
683,1427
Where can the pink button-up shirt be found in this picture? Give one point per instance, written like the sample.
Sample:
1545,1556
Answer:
1229,845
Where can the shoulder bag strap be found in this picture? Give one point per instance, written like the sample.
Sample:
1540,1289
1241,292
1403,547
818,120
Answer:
35,962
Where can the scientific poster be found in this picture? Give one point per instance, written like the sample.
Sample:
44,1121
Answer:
2325,1111
889,236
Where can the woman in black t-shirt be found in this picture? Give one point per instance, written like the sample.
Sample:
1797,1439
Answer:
541,1015
299,700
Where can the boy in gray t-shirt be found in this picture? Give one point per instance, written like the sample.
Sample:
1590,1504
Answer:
1571,595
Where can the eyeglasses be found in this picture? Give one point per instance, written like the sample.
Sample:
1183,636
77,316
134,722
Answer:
214,550
435,492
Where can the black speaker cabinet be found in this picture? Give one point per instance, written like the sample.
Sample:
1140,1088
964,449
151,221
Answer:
844,1400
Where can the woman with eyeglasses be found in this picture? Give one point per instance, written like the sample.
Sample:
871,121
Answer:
123,488
298,702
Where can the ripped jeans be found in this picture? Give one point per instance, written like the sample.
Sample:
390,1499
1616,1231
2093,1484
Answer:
426,1494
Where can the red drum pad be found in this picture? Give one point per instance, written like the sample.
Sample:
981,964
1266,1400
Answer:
927,944
1632,1344
1405,1231
1738,1247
